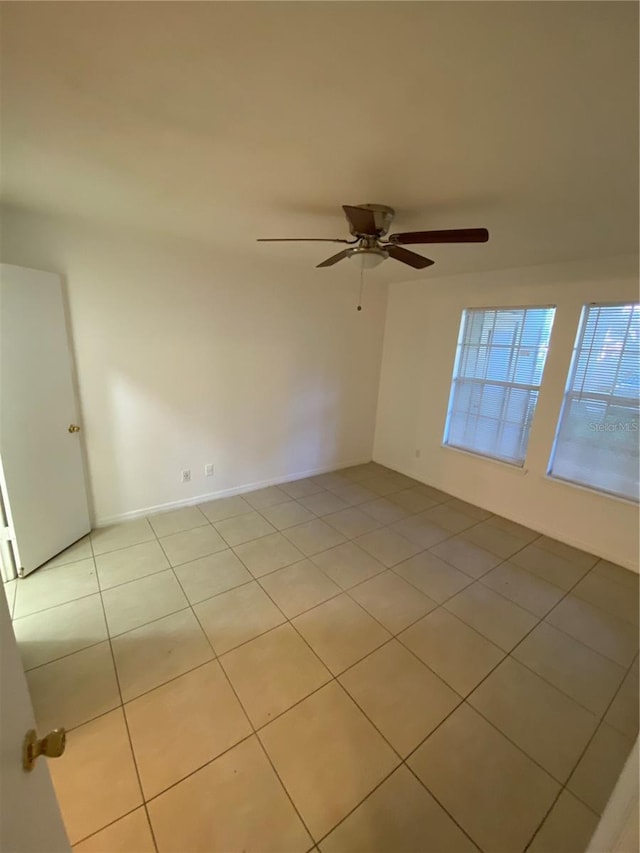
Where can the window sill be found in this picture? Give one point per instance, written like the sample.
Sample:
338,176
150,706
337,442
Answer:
507,466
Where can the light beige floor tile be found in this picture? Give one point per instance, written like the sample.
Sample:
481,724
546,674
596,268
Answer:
234,617
437,495
208,576
501,801
182,725
269,496
549,566
340,632
614,638
618,576
273,672
267,554
287,514
608,595
129,564
348,564
455,652
392,601
235,803
433,576
382,484
352,493
499,620
323,503
568,827
80,550
121,535
74,689
493,539
420,531
398,817
297,489
587,561
400,695
351,522
508,526
60,631
313,537
159,651
596,775
529,591
549,726
328,756
469,558
469,509
387,546
191,544
576,670
384,511
298,587
133,604
400,481
332,481
95,780
177,520
244,528
623,713
130,834
223,508
364,471
412,501
49,587
444,515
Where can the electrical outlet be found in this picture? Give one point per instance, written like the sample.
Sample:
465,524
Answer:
186,475
208,470
417,454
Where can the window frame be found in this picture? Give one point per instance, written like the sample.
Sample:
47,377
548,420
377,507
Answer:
454,379
568,396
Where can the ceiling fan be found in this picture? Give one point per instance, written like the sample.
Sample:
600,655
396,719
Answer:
368,223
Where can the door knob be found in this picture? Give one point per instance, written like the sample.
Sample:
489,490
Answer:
52,745
74,428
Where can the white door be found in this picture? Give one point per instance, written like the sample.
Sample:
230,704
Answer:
30,820
41,458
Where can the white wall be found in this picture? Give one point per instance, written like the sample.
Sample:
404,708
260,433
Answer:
186,355
423,319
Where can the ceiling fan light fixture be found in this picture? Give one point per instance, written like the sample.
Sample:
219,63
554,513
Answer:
367,258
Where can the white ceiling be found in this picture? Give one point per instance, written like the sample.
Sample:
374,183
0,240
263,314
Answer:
229,121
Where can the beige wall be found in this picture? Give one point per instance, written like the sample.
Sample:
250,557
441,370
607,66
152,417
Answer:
187,356
423,319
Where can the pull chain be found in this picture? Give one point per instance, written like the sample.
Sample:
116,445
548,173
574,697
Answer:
361,288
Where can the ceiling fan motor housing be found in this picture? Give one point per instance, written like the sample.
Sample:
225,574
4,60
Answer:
382,215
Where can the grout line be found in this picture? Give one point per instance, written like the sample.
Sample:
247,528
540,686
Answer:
124,717
347,592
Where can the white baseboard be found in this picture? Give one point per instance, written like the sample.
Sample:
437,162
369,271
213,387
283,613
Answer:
106,520
543,530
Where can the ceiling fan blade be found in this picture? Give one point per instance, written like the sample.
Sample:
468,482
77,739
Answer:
303,240
414,260
362,220
335,258
449,235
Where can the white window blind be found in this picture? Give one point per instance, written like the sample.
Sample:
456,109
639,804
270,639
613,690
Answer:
496,376
597,439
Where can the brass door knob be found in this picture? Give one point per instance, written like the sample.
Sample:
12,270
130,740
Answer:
74,428
52,745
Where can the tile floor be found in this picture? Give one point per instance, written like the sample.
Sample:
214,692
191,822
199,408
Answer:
350,662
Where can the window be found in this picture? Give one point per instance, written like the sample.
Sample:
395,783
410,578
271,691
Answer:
597,439
496,376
